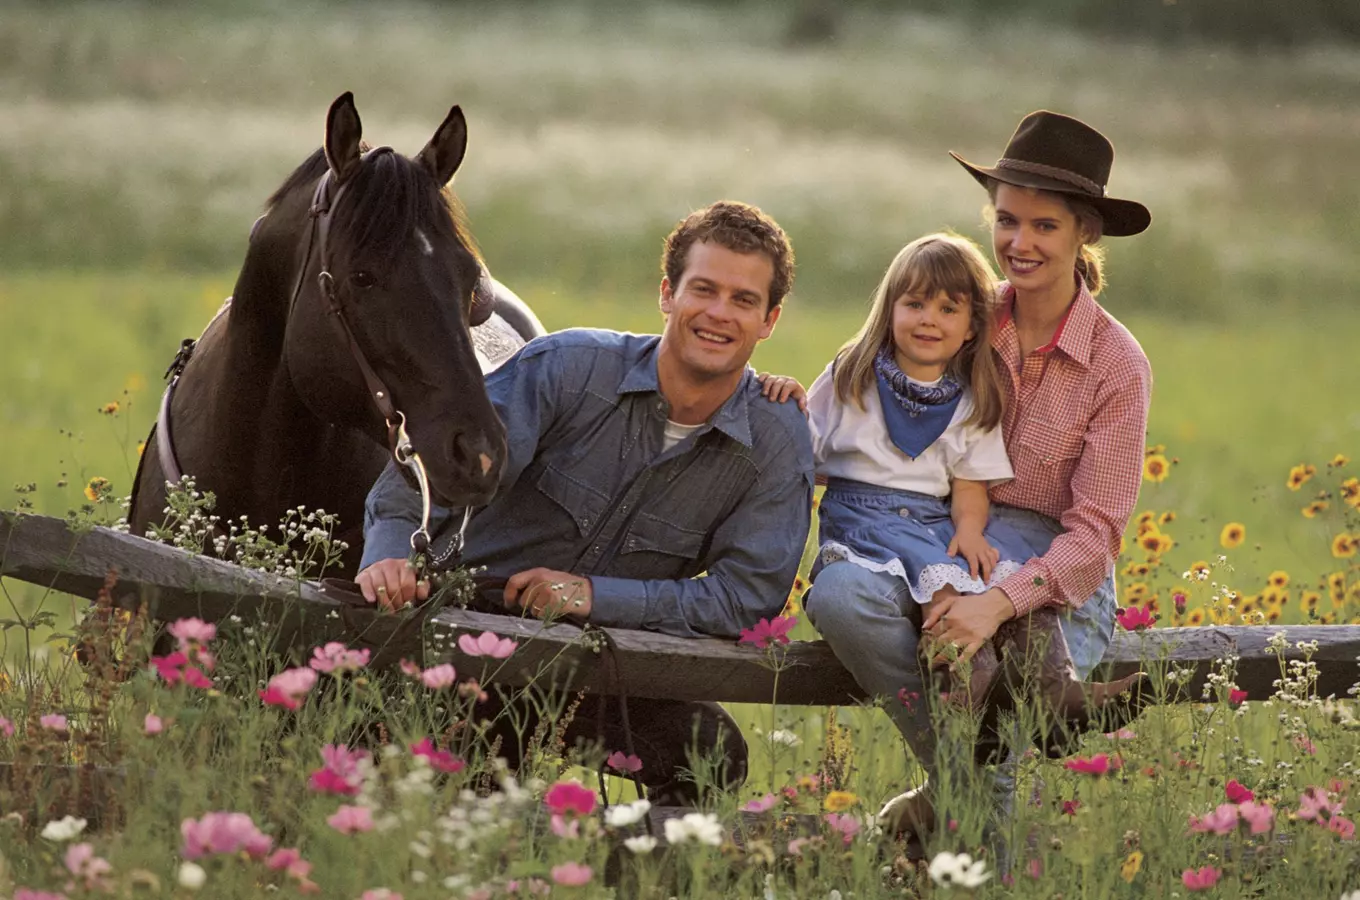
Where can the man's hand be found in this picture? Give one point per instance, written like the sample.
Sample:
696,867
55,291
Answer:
982,557
781,388
392,584
966,622
547,592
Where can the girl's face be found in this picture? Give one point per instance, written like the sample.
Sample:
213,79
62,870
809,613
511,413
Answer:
928,331
1036,239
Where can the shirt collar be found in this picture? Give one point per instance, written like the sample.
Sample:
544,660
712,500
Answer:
732,418
1075,331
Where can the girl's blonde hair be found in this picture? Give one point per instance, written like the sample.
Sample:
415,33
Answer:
1090,225
923,268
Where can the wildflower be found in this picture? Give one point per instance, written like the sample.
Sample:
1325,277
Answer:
839,801
6,727
845,825
1312,509
1100,764
762,805
1131,865
1135,618
1278,579
487,644
1258,817
564,828
948,870
81,862
1201,879
439,677
1166,518
1178,600
701,828
223,833
97,489
54,722
380,894
572,874
28,894
1236,792
767,630
340,772
1350,492
908,698
1221,821
64,829
643,843
410,668
1151,542
623,815
191,876
1299,475
1344,545
334,657
189,632
287,688
785,738
1236,697
176,667
152,724
1339,461
1156,468
1232,536
570,797
1342,827
1315,803
624,762
351,819
1070,807
1123,734
442,760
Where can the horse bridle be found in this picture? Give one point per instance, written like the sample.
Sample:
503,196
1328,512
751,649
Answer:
398,440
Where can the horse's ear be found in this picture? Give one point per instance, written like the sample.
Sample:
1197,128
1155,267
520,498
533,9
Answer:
444,153
343,132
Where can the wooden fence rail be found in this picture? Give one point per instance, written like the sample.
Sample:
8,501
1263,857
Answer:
174,584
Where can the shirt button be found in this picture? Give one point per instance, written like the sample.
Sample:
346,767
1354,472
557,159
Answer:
904,513
585,522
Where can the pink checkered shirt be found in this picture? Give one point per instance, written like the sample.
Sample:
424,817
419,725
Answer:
1075,427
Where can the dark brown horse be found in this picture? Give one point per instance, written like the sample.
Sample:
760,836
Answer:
273,410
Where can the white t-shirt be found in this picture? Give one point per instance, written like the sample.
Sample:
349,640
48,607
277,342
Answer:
852,443
675,433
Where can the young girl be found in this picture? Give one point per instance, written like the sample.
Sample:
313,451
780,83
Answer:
905,431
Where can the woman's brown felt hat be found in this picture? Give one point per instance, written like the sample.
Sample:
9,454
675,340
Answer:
1054,152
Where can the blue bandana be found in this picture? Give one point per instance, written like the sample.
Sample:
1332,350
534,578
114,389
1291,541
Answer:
915,414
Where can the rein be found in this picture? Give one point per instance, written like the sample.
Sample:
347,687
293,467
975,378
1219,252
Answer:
398,441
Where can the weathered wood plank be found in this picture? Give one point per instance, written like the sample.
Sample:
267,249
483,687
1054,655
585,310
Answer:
173,583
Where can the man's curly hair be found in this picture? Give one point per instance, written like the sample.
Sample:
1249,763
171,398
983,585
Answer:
739,227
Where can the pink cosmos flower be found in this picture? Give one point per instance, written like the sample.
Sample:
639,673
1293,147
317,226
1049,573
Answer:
380,894
24,893
54,722
572,874
1070,807
152,724
1342,827
1237,792
83,864
1135,618
767,630
176,667
1035,869
336,657
1236,697
223,832
486,644
624,762
1201,879
1258,817
844,824
570,797
6,727
908,698
564,828
439,677
1305,745
1123,734
1100,764
287,688
442,760
192,631
1315,803
411,669
763,805
289,860
339,773
351,819
1221,821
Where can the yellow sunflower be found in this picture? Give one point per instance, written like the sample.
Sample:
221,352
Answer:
1339,460
1309,602
1299,475
1234,533
1350,492
1137,570
1128,870
97,489
1164,543
1343,545
1136,592
1195,617
1166,518
1311,510
1146,517
1156,468
1273,615
1150,541
1275,596
839,801
109,409
1279,578
1199,568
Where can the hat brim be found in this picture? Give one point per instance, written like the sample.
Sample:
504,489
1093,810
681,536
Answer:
1122,218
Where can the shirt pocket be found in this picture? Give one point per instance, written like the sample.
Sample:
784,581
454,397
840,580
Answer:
582,503
1048,448
652,535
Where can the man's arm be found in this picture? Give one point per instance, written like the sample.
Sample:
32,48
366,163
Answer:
751,564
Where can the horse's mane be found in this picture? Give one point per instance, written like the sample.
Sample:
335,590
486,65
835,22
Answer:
387,197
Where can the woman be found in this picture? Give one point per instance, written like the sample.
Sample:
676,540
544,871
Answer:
1078,388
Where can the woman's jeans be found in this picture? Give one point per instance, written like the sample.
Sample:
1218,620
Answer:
868,618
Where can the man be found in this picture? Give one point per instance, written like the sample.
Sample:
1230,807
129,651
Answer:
647,486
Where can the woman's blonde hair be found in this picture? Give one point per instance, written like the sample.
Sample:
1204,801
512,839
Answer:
1090,225
923,268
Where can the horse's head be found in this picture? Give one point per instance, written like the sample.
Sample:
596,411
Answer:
384,297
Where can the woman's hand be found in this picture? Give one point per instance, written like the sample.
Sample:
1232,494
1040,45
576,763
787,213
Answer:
965,622
982,557
781,388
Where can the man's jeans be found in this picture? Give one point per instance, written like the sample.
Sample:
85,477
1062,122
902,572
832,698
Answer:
869,619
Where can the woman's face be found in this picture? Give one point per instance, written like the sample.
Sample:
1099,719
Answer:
1036,239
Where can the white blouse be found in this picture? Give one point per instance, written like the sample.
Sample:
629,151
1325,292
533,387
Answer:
853,443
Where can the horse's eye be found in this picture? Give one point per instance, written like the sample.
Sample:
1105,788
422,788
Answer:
362,280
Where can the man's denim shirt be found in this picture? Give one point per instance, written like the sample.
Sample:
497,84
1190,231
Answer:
703,539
